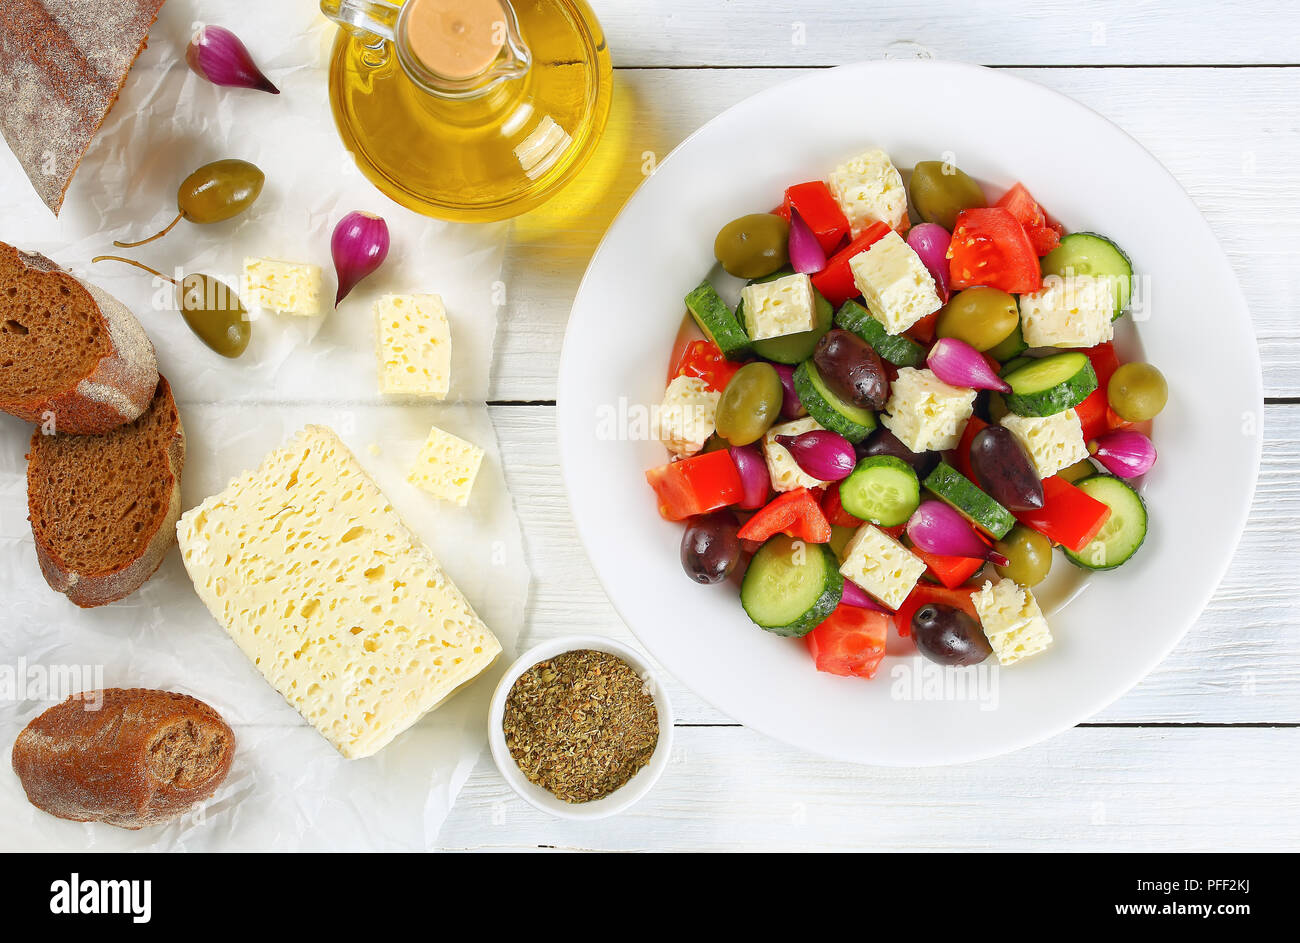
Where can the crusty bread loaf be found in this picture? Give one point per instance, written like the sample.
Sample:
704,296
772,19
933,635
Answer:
64,64
70,353
103,508
128,757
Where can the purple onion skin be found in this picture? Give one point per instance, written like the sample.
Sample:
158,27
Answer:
937,528
359,246
807,256
854,595
218,55
1124,452
791,404
755,482
957,363
827,456
930,242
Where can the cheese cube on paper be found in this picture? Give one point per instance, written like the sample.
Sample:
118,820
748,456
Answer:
869,189
685,420
414,345
283,287
1053,442
342,609
926,413
897,287
1075,311
446,467
779,307
1012,621
881,565
784,471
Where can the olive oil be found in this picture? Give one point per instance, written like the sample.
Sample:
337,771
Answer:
486,154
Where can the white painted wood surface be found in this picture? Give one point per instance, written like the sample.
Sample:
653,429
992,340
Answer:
1203,753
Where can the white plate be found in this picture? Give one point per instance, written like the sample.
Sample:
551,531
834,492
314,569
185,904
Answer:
1089,174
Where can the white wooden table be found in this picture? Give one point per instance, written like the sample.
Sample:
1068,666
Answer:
1205,753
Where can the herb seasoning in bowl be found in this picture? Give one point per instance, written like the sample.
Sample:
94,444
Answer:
580,727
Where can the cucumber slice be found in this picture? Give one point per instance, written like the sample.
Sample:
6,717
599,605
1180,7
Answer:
717,322
791,586
1050,385
1086,253
852,422
792,348
899,350
881,489
964,496
1011,347
1125,529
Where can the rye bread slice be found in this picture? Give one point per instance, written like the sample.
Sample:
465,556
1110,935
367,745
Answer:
72,357
103,508
64,63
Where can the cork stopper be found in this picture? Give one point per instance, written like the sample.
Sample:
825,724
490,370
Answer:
456,39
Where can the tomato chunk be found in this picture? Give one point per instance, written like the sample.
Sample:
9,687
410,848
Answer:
923,593
1068,516
794,513
989,247
817,208
835,281
1020,204
850,642
702,359
695,485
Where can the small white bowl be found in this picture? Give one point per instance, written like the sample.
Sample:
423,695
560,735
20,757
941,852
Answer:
634,788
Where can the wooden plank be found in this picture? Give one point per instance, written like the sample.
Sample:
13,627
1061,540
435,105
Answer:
1224,133
1007,32
1097,790
1236,665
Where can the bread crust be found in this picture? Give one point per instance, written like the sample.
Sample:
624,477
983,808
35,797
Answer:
141,758
120,386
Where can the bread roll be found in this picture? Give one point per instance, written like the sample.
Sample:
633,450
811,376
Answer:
126,757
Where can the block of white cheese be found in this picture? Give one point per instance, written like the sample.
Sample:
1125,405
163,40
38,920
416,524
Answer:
414,345
1053,442
1012,621
897,287
446,467
784,471
336,602
925,413
779,307
686,419
869,189
881,566
1076,311
283,287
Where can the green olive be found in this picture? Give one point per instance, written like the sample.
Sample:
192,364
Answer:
1137,392
214,312
219,190
1029,556
753,246
750,403
1080,469
997,406
940,191
1012,346
982,317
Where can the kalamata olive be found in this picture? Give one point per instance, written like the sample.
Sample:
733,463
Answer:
1137,392
710,548
1004,469
982,317
852,369
1028,553
750,404
753,246
940,191
884,442
949,635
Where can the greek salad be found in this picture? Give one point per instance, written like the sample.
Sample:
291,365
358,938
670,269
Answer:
915,401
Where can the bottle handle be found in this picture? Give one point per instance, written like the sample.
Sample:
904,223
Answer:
372,20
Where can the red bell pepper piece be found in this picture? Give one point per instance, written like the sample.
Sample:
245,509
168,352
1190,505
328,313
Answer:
835,281
1068,516
962,458
1093,410
989,247
834,510
703,359
818,209
1020,204
795,514
896,531
950,571
924,593
783,211
695,485
923,331
850,642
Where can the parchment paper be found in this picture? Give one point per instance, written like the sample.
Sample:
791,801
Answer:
288,789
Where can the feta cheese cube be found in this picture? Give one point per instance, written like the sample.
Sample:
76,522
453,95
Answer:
283,287
925,413
414,345
881,566
686,418
1012,621
784,471
779,307
1053,442
446,467
897,287
1075,311
869,190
